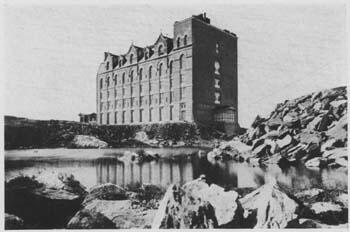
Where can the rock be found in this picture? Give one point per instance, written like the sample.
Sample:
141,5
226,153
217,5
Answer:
274,123
86,141
86,219
337,103
308,137
316,162
214,155
12,222
339,129
262,151
197,205
285,141
72,185
331,144
343,199
336,153
202,154
141,136
106,191
314,123
269,207
257,121
324,123
236,147
291,120
40,205
329,212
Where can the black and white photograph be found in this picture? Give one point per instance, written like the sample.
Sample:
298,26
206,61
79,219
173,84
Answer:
175,115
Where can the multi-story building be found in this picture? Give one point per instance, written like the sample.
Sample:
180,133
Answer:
191,78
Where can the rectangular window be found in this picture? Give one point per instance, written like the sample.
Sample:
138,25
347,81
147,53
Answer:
132,91
150,114
115,117
182,115
132,116
101,117
171,112
171,83
141,115
140,88
123,93
123,117
108,118
160,113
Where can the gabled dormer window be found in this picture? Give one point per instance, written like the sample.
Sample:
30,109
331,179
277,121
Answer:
160,50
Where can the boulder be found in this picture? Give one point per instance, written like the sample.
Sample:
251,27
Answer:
269,207
86,219
236,147
339,129
291,120
336,153
314,123
197,205
257,121
106,191
326,120
262,150
214,155
308,137
86,141
141,136
274,123
316,162
12,222
343,199
329,212
38,204
331,144
285,141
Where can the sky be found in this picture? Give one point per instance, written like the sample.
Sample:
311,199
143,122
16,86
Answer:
52,52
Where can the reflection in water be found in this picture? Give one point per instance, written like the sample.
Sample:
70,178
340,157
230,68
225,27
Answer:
179,171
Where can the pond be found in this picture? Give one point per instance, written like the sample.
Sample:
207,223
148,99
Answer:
94,166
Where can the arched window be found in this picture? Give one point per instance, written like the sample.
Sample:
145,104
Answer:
123,78
101,83
146,55
185,40
141,74
178,42
150,72
132,76
181,61
160,69
115,79
131,58
171,68
160,50
107,81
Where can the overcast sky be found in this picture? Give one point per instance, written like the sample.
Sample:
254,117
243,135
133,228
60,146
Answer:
52,52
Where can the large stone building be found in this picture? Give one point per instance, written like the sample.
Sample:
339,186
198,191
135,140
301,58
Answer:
192,78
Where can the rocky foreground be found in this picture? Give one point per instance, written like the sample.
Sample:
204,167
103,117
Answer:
311,129
196,204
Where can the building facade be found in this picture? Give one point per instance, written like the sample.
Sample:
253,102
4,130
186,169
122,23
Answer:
192,78
88,118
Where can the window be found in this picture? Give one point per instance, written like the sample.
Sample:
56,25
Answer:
107,65
185,40
146,55
101,95
141,114
171,96
107,94
150,114
123,92
132,91
140,89
101,83
132,116
150,72
123,117
217,67
182,115
101,107
171,68
160,50
115,117
132,76
131,58
107,81
182,93
141,74
108,118
160,69
124,103
217,83
217,48
181,61
171,112
217,98
123,79
115,79
178,42
160,113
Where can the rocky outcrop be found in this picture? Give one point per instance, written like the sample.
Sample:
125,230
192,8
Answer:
306,129
198,205
269,207
12,222
110,206
86,141
41,205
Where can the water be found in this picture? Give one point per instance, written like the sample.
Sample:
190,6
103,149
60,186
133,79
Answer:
91,167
